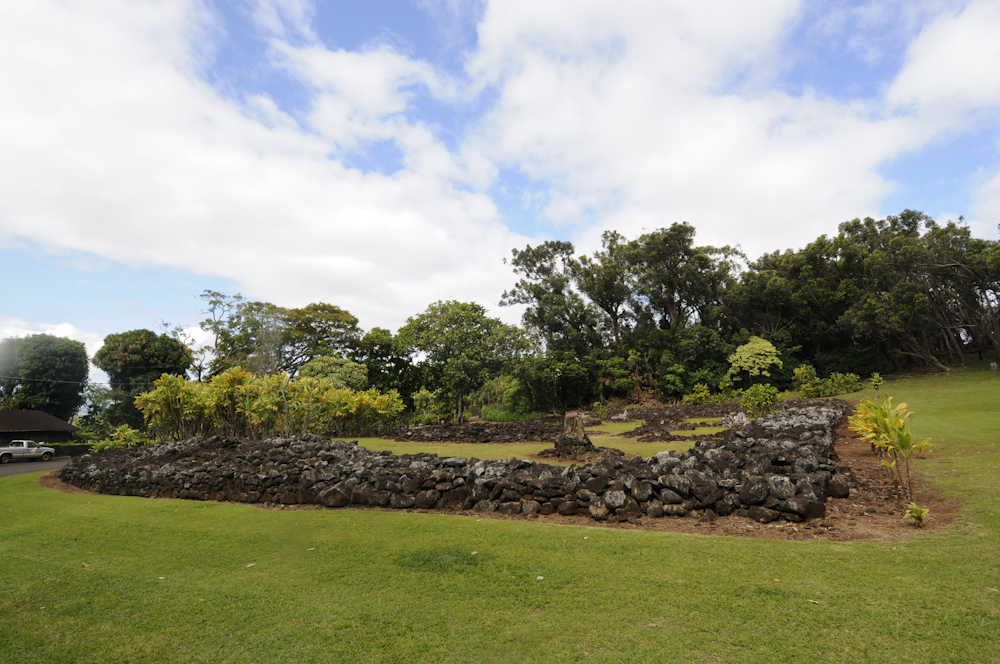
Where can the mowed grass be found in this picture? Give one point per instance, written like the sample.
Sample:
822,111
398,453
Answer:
384,586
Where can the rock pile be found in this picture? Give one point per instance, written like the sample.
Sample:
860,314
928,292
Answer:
573,442
777,467
543,430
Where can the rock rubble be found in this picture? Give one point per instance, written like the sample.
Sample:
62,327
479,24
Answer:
780,466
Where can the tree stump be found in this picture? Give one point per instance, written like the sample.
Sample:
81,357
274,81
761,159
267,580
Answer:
573,439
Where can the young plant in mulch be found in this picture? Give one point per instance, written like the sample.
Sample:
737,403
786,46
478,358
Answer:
917,513
887,428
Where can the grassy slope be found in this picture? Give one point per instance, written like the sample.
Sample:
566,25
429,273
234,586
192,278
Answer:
393,587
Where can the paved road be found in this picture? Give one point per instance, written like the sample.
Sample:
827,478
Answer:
21,467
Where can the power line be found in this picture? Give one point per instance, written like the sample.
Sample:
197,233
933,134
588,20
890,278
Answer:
77,382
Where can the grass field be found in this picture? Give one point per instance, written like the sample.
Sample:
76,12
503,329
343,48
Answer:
373,586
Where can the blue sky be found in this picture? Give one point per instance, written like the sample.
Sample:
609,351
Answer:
382,155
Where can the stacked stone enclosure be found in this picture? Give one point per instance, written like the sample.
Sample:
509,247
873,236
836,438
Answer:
779,467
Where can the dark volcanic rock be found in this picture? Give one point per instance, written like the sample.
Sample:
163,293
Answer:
779,466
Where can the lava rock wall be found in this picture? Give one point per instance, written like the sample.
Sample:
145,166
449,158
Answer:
781,466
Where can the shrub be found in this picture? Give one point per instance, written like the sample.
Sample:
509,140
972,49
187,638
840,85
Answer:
242,404
844,383
755,357
806,382
759,400
70,449
876,380
699,394
887,428
809,386
430,407
123,436
917,513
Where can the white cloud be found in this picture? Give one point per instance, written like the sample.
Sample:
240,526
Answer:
628,112
954,61
111,142
285,19
116,147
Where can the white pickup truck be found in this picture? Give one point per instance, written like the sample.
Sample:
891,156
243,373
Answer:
24,450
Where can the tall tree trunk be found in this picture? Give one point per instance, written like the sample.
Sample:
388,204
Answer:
995,337
458,409
926,355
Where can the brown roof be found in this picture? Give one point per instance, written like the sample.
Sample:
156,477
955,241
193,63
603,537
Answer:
32,420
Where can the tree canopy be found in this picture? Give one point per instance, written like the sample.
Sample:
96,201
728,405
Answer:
43,372
656,314
463,347
266,339
134,360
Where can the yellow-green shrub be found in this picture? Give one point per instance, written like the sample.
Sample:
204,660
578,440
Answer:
239,403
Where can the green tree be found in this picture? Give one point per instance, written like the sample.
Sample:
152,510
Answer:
267,339
557,316
388,361
134,360
678,282
755,359
608,280
43,372
94,424
462,346
553,381
340,371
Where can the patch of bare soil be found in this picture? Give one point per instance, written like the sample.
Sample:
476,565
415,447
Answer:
50,480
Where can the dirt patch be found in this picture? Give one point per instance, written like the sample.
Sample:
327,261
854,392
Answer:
50,480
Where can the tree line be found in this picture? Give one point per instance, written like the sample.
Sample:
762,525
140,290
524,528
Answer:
654,315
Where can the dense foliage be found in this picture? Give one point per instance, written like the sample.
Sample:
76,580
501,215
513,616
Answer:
269,339
43,372
660,313
657,315
240,403
133,360
462,346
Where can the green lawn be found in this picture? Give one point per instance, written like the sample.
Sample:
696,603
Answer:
397,587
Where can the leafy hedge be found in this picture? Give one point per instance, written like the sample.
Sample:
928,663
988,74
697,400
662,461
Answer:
69,449
239,403
810,386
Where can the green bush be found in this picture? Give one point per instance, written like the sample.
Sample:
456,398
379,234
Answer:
759,400
430,407
753,360
123,436
699,394
69,449
241,404
810,386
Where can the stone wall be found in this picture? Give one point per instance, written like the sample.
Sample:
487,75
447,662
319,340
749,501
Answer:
777,467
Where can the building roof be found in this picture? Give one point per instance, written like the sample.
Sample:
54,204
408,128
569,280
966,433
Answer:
32,420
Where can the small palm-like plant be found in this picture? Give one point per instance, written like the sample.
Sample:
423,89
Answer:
887,429
876,380
917,513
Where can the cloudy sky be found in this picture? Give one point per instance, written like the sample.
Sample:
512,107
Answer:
384,154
